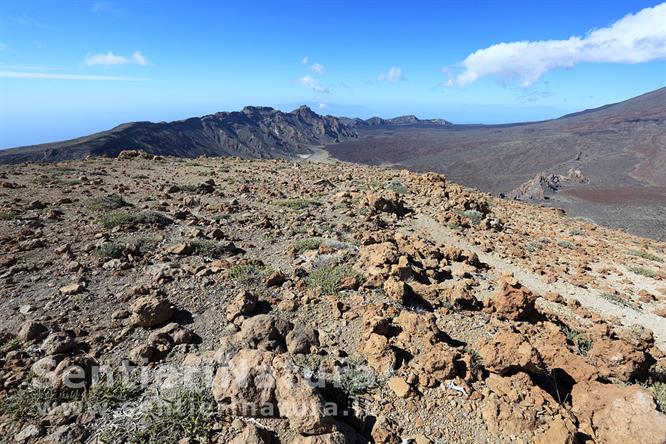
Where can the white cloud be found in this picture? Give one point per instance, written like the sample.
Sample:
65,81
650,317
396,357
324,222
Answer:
313,84
324,106
317,68
139,59
304,60
3,46
393,75
636,38
42,75
111,59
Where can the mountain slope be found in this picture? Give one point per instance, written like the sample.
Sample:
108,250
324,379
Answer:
259,132
619,148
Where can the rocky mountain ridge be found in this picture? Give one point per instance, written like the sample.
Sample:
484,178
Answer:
257,132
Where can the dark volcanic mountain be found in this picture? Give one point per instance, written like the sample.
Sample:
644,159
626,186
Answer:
619,149
259,132
401,121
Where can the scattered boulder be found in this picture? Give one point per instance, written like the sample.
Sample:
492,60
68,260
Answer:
31,331
58,342
149,311
243,304
506,352
301,339
617,414
513,301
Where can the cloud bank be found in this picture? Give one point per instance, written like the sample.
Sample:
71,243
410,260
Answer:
635,38
111,59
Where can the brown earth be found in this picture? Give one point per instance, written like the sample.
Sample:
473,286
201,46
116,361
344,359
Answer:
296,302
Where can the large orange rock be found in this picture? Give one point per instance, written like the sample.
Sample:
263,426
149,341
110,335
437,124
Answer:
379,354
505,352
614,414
513,301
617,359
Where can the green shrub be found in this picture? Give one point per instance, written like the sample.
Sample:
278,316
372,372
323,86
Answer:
645,255
617,300
356,379
34,402
398,187
643,271
106,203
329,277
8,215
248,274
474,216
536,245
9,345
576,232
307,244
179,413
208,248
111,390
296,204
566,244
110,250
115,219
659,391
582,343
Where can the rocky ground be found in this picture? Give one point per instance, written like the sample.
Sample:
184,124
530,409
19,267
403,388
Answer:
224,300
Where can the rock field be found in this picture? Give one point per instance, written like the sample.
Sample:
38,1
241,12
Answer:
158,299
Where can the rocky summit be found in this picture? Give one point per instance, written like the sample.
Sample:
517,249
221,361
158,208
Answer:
159,299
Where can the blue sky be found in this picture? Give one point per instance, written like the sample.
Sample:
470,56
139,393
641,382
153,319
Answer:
70,68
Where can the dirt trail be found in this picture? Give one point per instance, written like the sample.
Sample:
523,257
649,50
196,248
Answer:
591,299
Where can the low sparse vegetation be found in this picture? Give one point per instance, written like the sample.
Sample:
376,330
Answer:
115,219
8,215
248,274
107,203
33,402
296,204
582,343
659,391
307,244
328,277
110,250
208,248
398,187
566,244
576,232
474,216
111,390
356,379
616,299
9,345
536,245
643,272
645,255
137,246
179,413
